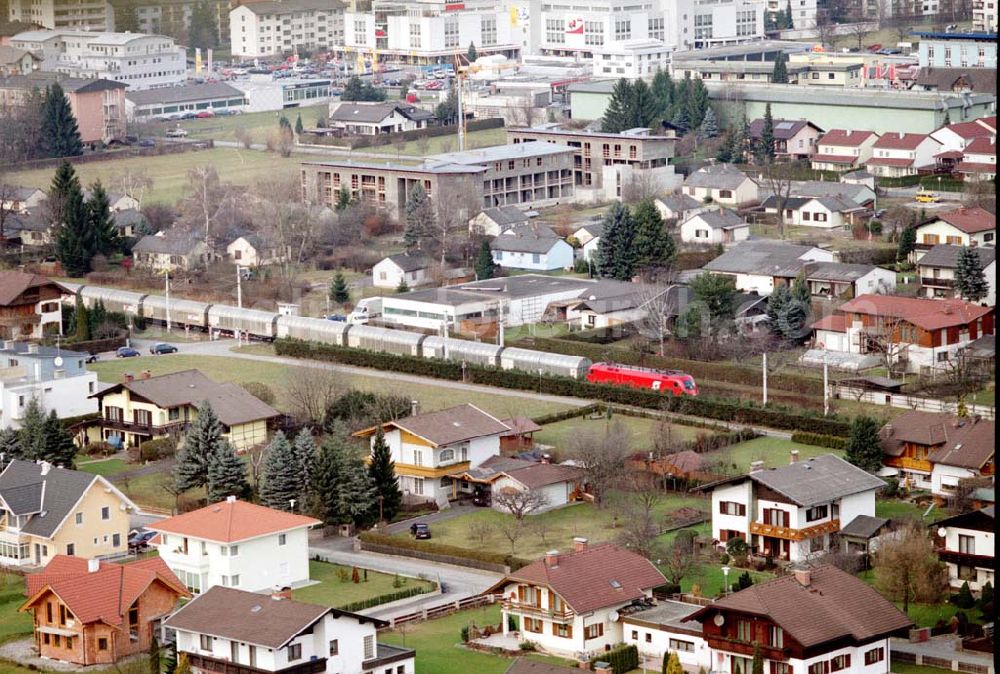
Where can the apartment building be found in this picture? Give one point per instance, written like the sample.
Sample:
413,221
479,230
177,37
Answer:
137,60
63,14
984,16
58,379
958,50
260,29
97,104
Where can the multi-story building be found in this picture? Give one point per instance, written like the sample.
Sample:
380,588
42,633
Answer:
605,163
63,14
790,513
803,12
969,548
29,306
936,271
631,59
896,155
984,16
56,378
979,160
136,60
97,104
960,227
226,629
173,17
843,149
280,27
811,621
958,50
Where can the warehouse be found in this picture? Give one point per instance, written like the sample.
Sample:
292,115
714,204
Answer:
214,96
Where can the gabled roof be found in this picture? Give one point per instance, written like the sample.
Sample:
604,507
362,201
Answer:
864,526
679,202
290,6
977,520
946,256
901,141
14,283
722,218
410,261
845,138
103,595
252,618
717,176
833,608
837,271
765,257
506,215
967,130
205,91
970,220
527,238
232,521
446,427
593,578
954,441
371,113
926,313
846,191
980,80
982,145
784,129
820,479
174,243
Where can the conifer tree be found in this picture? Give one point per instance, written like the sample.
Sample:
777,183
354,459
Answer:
32,431
103,236
485,266
343,200
282,475
864,448
615,114
60,134
64,183
304,450
699,103
472,54
672,663
73,241
57,445
227,474
418,213
81,321
382,471
326,480
339,291
757,664
653,243
153,656
777,305
616,253
402,286
203,439
970,280
728,150
764,150
780,73
10,446
663,91
709,125
743,147
907,243
357,495
299,128
644,108
789,21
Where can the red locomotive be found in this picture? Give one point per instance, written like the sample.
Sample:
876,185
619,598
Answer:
668,381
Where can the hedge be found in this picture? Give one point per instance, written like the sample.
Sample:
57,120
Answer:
724,409
622,658
820,440
157,448
453,554
380,599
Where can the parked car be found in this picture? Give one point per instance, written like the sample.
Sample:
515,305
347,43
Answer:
340,318
177,133
147,142
420,531
138,539
93,358
205,114
162,348
926,198
126,352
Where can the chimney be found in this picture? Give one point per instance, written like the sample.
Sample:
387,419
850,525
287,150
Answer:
414,408
127,378
602,667
803,576
46,467
145,374
552,559
230,499
93,565
793,456
756,466
579,544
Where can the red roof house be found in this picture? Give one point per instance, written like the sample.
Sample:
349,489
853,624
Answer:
839,149
895,155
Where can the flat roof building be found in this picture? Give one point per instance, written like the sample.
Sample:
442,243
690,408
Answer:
213,96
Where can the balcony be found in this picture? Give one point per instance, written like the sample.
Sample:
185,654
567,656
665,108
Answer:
789,534
907,463
937,282
536,611
219,666
387,655
966,559
143,429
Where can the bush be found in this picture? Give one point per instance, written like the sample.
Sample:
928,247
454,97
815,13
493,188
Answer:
964,598
622,658
261,391
99,449
159,448
819,440
465,634
380,599
527,646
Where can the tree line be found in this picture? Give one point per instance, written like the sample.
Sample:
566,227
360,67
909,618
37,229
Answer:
41,437
40,126
683,104
84,228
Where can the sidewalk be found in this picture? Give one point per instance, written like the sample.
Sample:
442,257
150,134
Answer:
943,651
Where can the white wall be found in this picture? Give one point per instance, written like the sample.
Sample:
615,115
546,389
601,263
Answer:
740,493
985,545
653,643
387,274
560,256
68,397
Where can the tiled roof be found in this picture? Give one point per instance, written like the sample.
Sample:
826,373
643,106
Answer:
102,595
784,129
982,145
833,158
971,129
835,607
722,218
946,256
232,522
410,261
526,238
864,526
959,442
900,141
970,220
172,243
506,215
717,176
898,162
594,578
845,137
926,313
975,167
448,426
820,479
831,323
13,283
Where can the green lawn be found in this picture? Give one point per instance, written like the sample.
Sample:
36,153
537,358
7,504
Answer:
711,581
902,510
926,615
559,526
106,467
910,668
149,491
772,451
13,624
260,124
560,434
332,591
440,144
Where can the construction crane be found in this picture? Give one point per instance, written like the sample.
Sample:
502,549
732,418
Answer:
460,74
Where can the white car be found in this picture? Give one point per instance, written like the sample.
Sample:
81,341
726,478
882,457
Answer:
177,133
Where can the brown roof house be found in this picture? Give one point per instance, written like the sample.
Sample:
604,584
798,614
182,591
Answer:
29,306
569,603
721,184
930,450
793,138
551,484
172,251
843,149
819,621
958,227
896,155
90,612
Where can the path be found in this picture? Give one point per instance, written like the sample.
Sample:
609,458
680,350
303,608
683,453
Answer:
943,651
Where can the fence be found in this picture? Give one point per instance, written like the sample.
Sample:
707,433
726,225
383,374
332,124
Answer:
956,665
904,401
434,557
443,609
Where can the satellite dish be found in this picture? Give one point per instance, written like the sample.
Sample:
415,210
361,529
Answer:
613,616
57,361
942,532
719,620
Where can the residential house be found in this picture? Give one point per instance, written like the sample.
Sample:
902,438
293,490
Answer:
896,155
391,271
136,410
127,222
608,303
857,187
226,628
936,271
813,620
32,228
49,511
254,250
677,207
520,437
968,548
717,226
56,378
721,184
979,160
843,149
832,212
15,199
556,485
30,306
837,280
662,629
958,136
117,201
793,512
97,104
956,80
589,237
863,535
859,177
237,544
428,448
960,227
16,61
758,265
373,119
918,334
531,246
492,221
89,612
793,139
570,602
173,251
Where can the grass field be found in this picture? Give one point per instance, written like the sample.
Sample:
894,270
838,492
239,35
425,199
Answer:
106,467
773,452
12,623
259,124
927,615
560,434
440,144
711,582
332,591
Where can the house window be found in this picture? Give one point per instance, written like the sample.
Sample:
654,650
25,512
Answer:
635,635
780,668
743,630
725,194
369,647
295,652
874,655
966,545
682,646
79,518
230,551
206,642
62,614
105,513
102,644
533,625
649,637
593,631
564,631
776,637
282,539
447,455
777,517
334,647
966,572
48,612
817,513
842,661
45,639
70,549
816,668
732,508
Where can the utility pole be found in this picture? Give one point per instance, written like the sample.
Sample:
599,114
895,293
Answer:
500,335
444,326
239,286
765,379
826,386
166,292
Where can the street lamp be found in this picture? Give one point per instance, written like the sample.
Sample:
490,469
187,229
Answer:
725,580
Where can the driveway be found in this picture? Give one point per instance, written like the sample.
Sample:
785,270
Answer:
456,510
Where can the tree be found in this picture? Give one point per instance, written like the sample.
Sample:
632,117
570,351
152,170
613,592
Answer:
402,286
671,663
757,664
126,16
357,492
308,397
789,19
153,656
183,666
472,54
299,128
32,432
10,446
485,266
447,112
339,292
970,280
56,444
729,149
743,581
73,241
304,454
907,243
655,245
282,476
780,73
679,560
519,502
615,115
907,568
602,455
659,304
382,471
326,480
777,305
858,29
203,29
81,321
663,91
344,200
418,213
697,103
60,134
227,474
103,234
825,27
963,599
764,150
616,253
204,437
718,294
864,448
709,125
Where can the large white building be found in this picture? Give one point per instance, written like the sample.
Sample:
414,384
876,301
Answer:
57,379
63,14
138,60
285,26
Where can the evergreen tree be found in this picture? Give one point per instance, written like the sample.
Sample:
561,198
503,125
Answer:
126,16
344,200
418,211
103,236
742,154
327,479
743,581
227,474
73,240
728,150
485,266
382,471
182,666
795,318
777,305
283,479
709,125
204,438
616,253
299,128
615,116
81,321
717,294
970,280
655,246
153,656
645,109
780,73
864,448
357,493
699,103
764,150
60,134
964,599
170,660
947,118
789,21
663,91
57,445
472,54
10,446
203,29
447,112
32,432
907,243
672,663
757,664
304,449
64,184
339,291
690,322
402,286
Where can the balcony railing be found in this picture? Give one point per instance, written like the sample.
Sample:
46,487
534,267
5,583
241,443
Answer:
938,282
219,666
143,429
787,533
532,610
907,463
966,559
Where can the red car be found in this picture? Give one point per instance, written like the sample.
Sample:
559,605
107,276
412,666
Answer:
667,381
205,114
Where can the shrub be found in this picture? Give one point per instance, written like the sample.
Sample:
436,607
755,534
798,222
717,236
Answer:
465,634
99,449
158,448
527,646
261,391
622,658
964,598
380,599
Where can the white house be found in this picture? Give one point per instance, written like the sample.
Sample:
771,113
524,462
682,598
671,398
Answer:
533,247
662,629
414,268
677,206
843,150
429,448
589,237
56,378
554,484
979,159
20,199
225,628
236,544
791,512
960,227
936,271
969,548
832,212
721,184
896,155
956,137
570,602
839,280
373,119
492,221
253,250
757,265
715,226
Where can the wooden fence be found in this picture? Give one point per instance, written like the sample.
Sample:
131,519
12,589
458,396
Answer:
442,609
905,401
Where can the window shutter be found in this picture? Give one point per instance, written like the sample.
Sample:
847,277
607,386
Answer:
847,660
520,594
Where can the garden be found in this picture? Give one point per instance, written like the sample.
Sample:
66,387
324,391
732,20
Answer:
352,589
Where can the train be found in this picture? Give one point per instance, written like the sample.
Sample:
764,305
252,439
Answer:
268,326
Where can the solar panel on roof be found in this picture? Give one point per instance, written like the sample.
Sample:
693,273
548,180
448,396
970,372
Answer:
784,125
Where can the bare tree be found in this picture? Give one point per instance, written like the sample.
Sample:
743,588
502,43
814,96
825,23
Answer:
640,186
636,511
825,27
423,143
678,560
886,339
602,454
480,530
512,529
283,220
858,29
133,183
255,457
244,137
206,200
519,502
907,568
660,306
452,213
778,178
8,204
307,396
